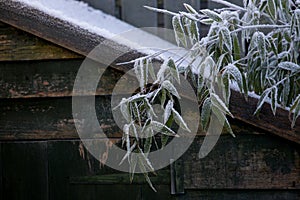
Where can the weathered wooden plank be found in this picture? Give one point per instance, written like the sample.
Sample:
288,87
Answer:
107,6
240,195
25,172
49,118
62,33
278,125
244,162
111,192
134,13
71,175
1,175
19,45
55,78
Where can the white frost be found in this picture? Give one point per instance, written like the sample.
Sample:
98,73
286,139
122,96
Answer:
95,21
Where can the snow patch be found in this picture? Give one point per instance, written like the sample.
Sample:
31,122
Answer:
95,21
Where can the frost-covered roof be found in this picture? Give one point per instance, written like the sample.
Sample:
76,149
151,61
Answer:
76,26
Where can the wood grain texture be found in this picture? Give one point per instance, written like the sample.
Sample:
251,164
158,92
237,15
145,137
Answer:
1,174
55,78
244,162
63,33
19,45
240,195
25,170
50,118
278,125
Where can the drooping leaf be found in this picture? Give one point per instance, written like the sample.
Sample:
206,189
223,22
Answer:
236,74
211,14
179,120
205,113
171,88
190,8
226,37
264,96
160,127
272,9
295,110
179,31
168,110
219,103
289,66
174,70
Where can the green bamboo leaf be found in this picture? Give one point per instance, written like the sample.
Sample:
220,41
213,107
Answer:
125,111
295,110
179,120
207,21
148,142
174,70
159,127
171,88
226,90
205,113
289,66
226,37
179,31
274,96
261,45
168,110
262,99
190,8
211,14
163,97
236,47
132,166
236,74
272,9
228,127
217,102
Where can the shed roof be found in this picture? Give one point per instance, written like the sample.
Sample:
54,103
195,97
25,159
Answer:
77,27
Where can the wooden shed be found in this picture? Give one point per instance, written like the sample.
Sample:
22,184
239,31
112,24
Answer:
41,156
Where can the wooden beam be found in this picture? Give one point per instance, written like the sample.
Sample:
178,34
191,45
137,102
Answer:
279,124
19,45
55,78
63,33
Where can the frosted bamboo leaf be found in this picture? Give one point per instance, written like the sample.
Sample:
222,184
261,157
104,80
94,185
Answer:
274,94
168,110
125,111
226,37
272,8
211,14
217,102
295,110
179,31
171,88
235,72
205,113
289,66
159,127
174,70
262,99
190,8
179,120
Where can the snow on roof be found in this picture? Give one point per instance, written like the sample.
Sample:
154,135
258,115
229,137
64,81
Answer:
95,21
